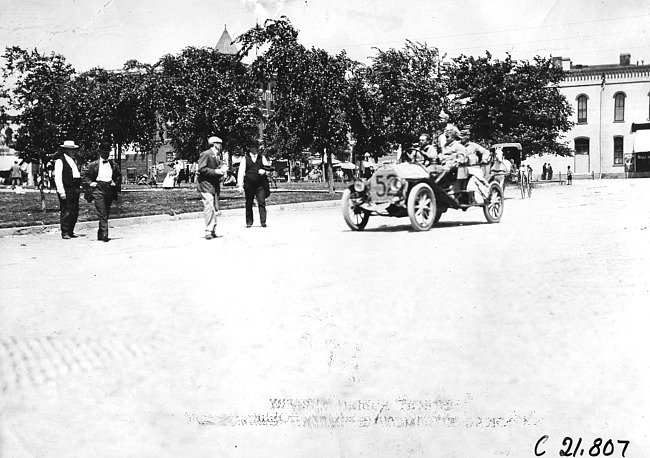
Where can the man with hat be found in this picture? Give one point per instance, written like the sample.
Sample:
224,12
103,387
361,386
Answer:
68,181
211,167
102,180
445,125
475,152
252,180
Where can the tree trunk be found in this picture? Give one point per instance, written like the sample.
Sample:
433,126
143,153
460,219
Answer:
41,184
119,156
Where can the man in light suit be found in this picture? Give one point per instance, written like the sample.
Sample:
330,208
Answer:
211,167
102,180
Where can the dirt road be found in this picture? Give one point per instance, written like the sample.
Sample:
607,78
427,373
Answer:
306,339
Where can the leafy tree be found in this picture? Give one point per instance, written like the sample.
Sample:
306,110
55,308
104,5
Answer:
309,90
118,107
364,113
512,101
37,87
408,91
201,92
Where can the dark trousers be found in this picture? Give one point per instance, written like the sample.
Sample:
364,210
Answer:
69,210
104,195
255,192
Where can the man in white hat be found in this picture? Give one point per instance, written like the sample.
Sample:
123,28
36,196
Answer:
68,186
211,167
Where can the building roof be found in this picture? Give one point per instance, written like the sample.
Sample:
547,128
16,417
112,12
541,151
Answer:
624,68
225,45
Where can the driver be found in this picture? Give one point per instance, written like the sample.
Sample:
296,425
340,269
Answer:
427,149
423,151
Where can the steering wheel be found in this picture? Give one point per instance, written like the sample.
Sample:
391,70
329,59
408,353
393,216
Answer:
411,155
418,157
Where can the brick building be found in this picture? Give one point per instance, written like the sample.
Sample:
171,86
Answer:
612,117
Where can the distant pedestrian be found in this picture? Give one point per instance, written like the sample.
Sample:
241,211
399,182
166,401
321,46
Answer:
530,173
549,172
102,180
210,170
170,179
569,175
253,181
544,171
16,175
179,173
68,185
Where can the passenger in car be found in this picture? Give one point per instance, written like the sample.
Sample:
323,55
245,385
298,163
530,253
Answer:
475,152
453,153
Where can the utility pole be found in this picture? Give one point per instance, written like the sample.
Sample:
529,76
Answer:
600,130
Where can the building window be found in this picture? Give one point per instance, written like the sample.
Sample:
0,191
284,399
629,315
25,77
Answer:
618,150
582,109
619,107
582,145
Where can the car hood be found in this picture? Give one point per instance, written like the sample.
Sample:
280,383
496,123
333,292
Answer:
406,170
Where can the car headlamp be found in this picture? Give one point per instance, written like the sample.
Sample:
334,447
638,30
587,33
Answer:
359,186
395,185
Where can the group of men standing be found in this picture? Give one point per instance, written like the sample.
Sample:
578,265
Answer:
101,182
251,180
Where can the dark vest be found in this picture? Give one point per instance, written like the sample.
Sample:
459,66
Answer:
66,176
252,176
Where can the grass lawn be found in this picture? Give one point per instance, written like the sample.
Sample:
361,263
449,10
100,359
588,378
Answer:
20,210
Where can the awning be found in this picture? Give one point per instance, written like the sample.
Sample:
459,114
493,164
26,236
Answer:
641,141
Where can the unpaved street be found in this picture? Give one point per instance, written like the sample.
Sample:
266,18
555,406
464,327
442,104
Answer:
307,339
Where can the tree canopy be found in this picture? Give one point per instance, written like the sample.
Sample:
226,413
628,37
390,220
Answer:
200,93
321,101
510,101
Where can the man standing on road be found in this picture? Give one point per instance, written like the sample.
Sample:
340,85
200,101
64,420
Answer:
210,170
101,181
252,180
68,182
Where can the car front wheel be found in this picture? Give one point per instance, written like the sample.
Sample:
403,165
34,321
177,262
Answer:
421,207
355,217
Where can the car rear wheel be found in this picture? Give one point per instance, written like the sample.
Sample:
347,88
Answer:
493,208
421,207
355,216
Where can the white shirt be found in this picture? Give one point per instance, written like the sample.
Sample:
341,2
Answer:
58,172
242,167
105,172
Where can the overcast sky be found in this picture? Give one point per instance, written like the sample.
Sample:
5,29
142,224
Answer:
107,33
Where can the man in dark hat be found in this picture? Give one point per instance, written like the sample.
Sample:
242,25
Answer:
68,182
252,180
102,180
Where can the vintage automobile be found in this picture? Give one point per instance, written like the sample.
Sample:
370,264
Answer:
409,189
